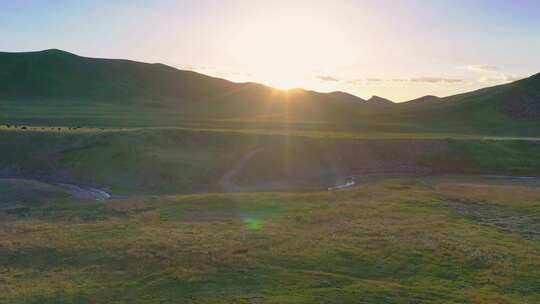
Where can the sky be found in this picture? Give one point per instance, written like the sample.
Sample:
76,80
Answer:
399,50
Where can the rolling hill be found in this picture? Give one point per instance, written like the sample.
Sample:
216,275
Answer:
439,214
505,109
173,131
54,87
53,80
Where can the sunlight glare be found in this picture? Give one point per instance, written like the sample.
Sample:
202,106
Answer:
286,51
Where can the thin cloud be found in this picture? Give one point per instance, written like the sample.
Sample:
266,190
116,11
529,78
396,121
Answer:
366,81
436,80
482,68
500,78
404,81
355,82
188,67
511,78
327,78
491,74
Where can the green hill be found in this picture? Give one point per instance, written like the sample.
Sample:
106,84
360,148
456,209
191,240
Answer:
506,109
171,161
54,87
438,214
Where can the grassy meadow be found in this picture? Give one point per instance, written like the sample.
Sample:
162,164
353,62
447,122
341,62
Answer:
129,182
169,234
184,161
421,240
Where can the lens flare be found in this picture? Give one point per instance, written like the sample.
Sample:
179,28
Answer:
253,223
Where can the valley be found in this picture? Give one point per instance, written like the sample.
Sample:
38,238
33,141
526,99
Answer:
127,182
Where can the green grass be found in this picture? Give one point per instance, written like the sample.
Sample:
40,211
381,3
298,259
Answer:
513,157
147,161
403,241
24,193
172,160
150,133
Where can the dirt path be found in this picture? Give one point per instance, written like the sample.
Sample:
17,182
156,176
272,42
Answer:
227,182
511,138
509,177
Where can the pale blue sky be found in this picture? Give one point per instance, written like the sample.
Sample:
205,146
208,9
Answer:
396,49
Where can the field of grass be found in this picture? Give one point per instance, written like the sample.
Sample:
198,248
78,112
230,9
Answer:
173,161
16,193
432,220
469,115
401,121
399,241
409,240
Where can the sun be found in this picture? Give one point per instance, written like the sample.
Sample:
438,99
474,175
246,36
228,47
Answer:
286,51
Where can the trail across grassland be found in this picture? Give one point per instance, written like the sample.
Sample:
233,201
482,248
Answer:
511,138
227,181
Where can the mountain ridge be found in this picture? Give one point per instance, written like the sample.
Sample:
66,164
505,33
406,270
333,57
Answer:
59,52
379,101
58,87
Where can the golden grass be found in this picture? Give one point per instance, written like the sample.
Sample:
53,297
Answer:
392,242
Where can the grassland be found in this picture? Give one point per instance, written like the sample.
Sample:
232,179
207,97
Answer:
167,143
400,241
176,160
409,240
16,193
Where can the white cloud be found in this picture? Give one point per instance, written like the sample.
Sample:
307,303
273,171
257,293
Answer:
482,68
327,78
436,80
491,74
499,78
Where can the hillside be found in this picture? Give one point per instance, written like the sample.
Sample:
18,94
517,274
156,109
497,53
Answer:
56,88
436,213
511,109
380,101
171,161
62,85
522,100
423,99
